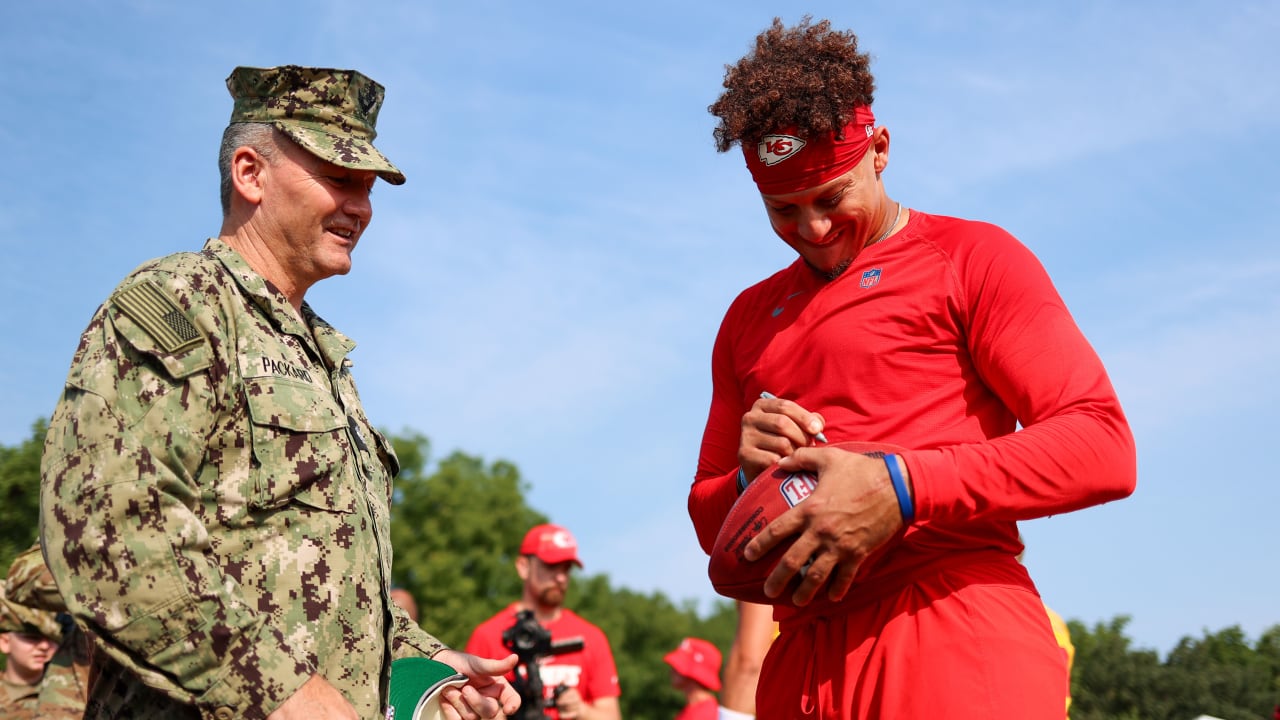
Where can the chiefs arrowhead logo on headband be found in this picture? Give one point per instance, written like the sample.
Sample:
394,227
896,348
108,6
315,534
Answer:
773,149
824,158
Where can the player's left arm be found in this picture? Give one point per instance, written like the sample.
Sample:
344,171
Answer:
1075,448
571,706
606,708
601,674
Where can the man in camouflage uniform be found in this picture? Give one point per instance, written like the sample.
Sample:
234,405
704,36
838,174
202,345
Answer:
215,502
65,687
29,638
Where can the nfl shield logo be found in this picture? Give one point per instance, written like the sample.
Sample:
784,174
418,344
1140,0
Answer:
870,277
797,487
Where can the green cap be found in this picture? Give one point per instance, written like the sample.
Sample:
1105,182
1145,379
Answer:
416,683
330,113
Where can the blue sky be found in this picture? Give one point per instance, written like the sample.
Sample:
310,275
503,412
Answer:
546,287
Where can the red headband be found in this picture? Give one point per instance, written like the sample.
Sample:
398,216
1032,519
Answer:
782,163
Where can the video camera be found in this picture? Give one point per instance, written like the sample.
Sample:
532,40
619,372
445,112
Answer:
531,642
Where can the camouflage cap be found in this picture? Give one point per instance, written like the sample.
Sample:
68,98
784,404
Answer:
15,617
330,113
30,582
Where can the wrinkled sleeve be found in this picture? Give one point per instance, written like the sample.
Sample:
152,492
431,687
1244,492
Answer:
410,640
1075,448
714,487
129,552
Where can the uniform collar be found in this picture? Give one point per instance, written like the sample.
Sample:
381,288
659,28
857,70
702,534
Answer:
310,327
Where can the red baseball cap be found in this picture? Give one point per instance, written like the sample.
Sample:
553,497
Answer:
551,544
698,660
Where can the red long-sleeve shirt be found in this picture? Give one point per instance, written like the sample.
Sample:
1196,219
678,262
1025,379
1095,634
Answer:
942,339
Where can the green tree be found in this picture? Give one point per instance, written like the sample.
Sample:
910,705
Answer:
1109,681
20,494
641,630
455,534
1221,675
457,529
1268,648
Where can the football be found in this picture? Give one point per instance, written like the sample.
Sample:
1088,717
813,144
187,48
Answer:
768,496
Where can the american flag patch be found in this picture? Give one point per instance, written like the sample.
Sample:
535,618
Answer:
157,314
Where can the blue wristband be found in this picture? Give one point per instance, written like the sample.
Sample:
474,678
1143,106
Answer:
742,481
900,489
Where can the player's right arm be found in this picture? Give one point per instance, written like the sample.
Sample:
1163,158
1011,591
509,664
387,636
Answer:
772,429
715,485
743,431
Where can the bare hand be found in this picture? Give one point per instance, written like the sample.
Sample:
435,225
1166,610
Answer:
569,704
773,429
315,700
486,695
852,512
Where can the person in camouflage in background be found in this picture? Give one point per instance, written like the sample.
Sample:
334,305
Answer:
214,501
28,638
65,686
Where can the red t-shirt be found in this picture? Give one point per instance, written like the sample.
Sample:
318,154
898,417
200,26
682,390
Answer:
591,670
942,339
704,709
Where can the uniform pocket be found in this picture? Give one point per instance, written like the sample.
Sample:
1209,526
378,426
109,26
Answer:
301,448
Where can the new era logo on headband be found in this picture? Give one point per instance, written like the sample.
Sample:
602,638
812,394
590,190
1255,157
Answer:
773,149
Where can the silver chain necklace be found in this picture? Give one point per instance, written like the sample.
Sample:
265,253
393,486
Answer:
897,216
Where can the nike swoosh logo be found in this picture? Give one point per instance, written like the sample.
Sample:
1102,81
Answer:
778,310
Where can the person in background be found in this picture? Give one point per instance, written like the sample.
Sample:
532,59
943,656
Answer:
577,685
64,690
945,337
1062,634
28,640
751,639
695,672
404,599
215,502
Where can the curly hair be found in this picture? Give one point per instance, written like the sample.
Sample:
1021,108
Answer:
808,77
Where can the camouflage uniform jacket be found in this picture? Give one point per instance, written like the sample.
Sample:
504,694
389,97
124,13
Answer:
18,702
215,503
63,690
